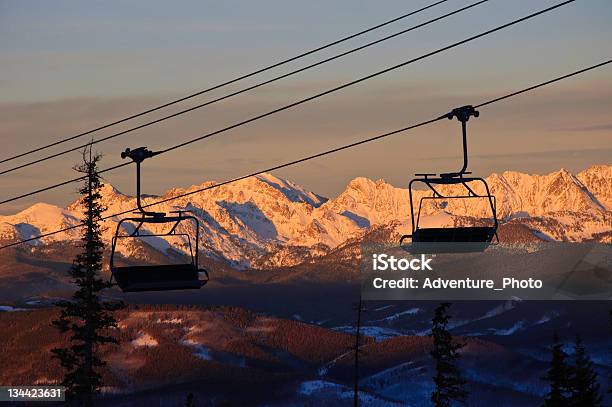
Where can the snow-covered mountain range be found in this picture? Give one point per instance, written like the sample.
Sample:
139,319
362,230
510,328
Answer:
266,221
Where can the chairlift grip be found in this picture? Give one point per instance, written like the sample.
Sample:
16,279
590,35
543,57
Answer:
138,155
462,114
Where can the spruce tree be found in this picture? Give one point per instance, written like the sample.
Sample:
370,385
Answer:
86,318
558,376
584,388
357,350
189,400
449,385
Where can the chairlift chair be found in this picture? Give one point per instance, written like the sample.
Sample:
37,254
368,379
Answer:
146,277
457,238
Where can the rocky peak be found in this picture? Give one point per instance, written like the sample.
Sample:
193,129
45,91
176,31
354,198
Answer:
258,216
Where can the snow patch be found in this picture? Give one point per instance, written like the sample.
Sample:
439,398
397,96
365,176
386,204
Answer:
547,317
144,340
500,309
201,351
173,321
376,332
394,317
508,331
384,373
383,308
9,308
312,386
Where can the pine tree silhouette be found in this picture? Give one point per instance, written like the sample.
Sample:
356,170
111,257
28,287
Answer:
85,317
357,350
449,385
189,401
610,320
558,376
584,388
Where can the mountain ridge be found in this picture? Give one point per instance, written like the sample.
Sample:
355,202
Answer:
277,219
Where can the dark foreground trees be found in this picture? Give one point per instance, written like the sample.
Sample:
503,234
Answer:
357,350
86,318
449,385
584,387
558,377
571,384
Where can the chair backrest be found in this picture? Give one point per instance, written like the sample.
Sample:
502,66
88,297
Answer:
452,234
173,221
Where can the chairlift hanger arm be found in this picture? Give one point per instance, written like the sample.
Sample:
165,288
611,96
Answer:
462,114
138,155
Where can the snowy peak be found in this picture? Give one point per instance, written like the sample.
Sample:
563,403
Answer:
262,187
598,181
268,221
536,195
38,219
111,197
292,191
370,202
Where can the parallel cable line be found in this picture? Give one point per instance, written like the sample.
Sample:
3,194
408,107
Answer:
244,90
539,85
343,86
61,184
229,82
324,153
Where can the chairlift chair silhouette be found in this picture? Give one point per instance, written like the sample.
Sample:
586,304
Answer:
457,238
156,277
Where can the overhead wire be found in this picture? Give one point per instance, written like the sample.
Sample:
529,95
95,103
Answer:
229,82
241,91
63,183
324,93
324,153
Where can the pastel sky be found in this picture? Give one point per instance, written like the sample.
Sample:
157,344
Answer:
67,66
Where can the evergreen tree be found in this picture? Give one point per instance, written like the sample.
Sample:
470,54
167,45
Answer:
86,317
558,377
357,350
449,385
610,320
584,388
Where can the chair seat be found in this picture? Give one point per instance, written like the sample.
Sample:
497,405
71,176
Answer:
157,277
472,234
451,240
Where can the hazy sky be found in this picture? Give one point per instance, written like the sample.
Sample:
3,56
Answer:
67,66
